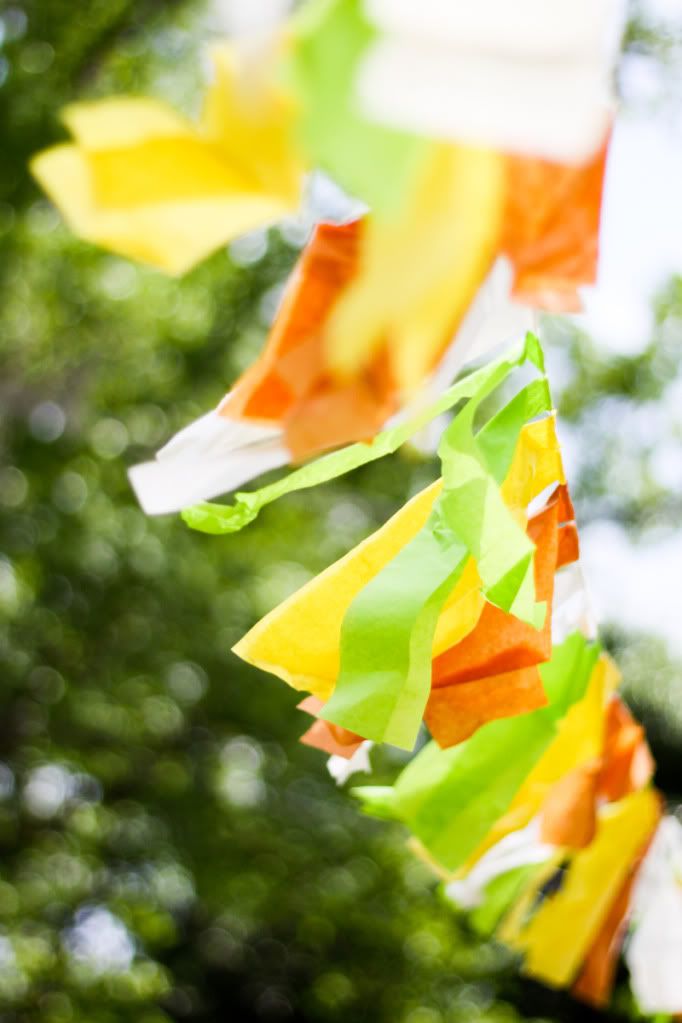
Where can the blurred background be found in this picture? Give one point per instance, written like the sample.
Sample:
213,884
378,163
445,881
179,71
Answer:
167,850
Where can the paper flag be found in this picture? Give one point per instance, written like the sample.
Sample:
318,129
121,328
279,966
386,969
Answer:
300,640
598,972
288,406
569,814
551,229
627,762
572,605
455,712
341,314
501,643
142,181
387,634
577,742
532,78
490,673
450,799
558,936
290,385
210,456
419,270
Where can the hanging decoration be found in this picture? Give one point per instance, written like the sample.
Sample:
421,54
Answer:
473,140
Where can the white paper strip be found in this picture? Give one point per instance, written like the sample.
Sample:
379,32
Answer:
549,29
558,110
211,456
341,768
250,18
519,849
572,606
654,952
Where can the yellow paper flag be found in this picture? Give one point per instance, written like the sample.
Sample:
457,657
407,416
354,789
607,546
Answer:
419,271
299,640
144,182
558,936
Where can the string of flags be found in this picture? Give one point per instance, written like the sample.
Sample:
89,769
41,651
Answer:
473,141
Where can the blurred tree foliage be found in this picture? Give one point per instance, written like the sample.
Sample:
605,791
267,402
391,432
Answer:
167,849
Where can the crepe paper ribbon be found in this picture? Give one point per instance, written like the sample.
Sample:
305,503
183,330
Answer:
450,799
532,78
142,181
218,519
328,738
557,937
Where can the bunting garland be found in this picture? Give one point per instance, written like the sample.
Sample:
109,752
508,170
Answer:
475,139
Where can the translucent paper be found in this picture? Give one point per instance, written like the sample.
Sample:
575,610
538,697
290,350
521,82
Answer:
144,182
450,799
218,519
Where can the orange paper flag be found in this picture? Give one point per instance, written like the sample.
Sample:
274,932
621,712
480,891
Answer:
628,764
323,735
492,672
551,229
455,712
290,384
501,643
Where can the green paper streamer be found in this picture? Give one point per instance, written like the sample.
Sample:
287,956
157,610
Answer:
387,634
369,160
219,519
450,798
